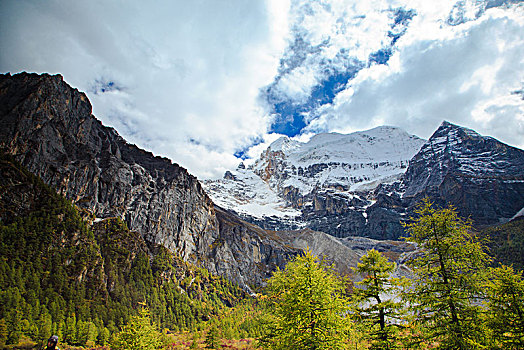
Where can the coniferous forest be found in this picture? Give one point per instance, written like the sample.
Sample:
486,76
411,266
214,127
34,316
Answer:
96,283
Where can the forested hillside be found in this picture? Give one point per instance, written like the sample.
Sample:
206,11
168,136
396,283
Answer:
506,242
60,273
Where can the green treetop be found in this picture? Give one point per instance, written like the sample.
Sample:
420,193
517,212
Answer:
506,307
310,307
376,310
138,334
448,273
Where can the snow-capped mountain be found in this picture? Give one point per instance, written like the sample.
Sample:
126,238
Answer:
246,193
365,183
360,160
331,172
479,175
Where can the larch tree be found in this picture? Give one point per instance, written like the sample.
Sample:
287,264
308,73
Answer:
310,307
212,338
505,295
377,307
449,271
138,334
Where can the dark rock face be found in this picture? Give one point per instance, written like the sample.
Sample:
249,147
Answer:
248,253
482,177
49,128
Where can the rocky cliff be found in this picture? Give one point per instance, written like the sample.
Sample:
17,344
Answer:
49,128
482,177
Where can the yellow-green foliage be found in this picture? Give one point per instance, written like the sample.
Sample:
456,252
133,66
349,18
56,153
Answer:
138,334
378,311
505,292
448,276
309,306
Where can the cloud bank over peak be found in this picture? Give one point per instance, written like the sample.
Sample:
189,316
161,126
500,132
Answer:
179,78
405,63
206,83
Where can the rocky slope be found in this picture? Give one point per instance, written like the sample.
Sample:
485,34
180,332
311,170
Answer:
49,128
482,177
55,262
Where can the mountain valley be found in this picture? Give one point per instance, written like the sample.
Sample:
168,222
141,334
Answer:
322,194
93,226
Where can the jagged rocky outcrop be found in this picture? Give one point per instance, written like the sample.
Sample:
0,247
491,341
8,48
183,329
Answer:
49,128
480,176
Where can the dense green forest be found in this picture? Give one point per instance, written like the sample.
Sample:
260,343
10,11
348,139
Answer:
59,275
506,242
96,283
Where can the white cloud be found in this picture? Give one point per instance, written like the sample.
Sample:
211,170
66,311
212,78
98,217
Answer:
189,72
465,75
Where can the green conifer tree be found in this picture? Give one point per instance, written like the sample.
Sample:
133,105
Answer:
506,307
71,331
138,334
310,307
103,336
45,324
448,274
194,341
3,332
212,338
376,309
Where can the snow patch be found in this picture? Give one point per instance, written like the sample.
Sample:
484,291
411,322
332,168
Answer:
519,213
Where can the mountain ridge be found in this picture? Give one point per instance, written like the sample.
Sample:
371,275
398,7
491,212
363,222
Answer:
480,176
50,130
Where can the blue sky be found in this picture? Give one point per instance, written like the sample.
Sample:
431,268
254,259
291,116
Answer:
290,119
208,83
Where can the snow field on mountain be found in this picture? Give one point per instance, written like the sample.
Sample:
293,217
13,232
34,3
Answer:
248,194
355,162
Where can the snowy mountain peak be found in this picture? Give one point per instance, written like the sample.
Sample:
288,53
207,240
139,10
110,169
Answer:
333,160
447,128
293,170
284,144
364,183
457,152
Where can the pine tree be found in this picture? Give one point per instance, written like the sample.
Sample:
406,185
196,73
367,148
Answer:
506,307
448,273
103,336
376,310
194,342
310,307
212,338
45,324
71,331
3,332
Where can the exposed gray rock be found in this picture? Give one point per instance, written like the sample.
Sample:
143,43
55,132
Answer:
49,128
480,176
